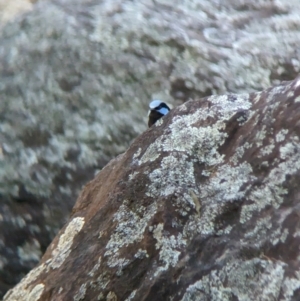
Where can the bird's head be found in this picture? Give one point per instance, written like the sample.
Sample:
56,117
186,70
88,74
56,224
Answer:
158,109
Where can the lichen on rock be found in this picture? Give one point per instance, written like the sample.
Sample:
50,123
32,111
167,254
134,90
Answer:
213,216
75,80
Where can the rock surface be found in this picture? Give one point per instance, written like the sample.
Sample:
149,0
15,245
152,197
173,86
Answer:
11,9
75,80
202,206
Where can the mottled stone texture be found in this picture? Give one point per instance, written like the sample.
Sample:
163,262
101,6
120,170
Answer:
203,206
75,80
11,9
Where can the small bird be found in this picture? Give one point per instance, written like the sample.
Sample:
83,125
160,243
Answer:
158,109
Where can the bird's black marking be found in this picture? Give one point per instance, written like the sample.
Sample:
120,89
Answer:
158,109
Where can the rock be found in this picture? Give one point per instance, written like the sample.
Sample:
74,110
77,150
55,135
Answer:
76,78
202,206
9,10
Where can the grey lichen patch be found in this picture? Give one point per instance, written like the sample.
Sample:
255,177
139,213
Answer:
102,281
186,201
260,136
182,108
133,175
236,280
24,290
297,99
63,248
264,230
169,248
130,229
95,268
267,149
275,91
120,263
297,83
81,293
151,154
290,286
169,178
159,122
269,194
111,296
261,228
272,192
289,148
131,296
184,136
283,237
200,142
228,104
225,186
239,152
280,136
141,254
137,153
36,292
257,97
224,231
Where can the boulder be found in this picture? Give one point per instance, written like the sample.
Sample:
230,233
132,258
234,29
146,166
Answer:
9,10
202,206
76,78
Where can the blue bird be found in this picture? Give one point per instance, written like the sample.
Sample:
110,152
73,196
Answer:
158,109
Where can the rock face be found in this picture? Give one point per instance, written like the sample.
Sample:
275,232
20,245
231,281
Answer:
75,80
11,9
202,206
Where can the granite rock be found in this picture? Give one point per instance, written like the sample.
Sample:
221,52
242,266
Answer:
75,80
202,206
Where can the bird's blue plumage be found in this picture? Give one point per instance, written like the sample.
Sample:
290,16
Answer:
163,111
158,109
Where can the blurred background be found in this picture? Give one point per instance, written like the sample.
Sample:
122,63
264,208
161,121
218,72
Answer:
76,77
